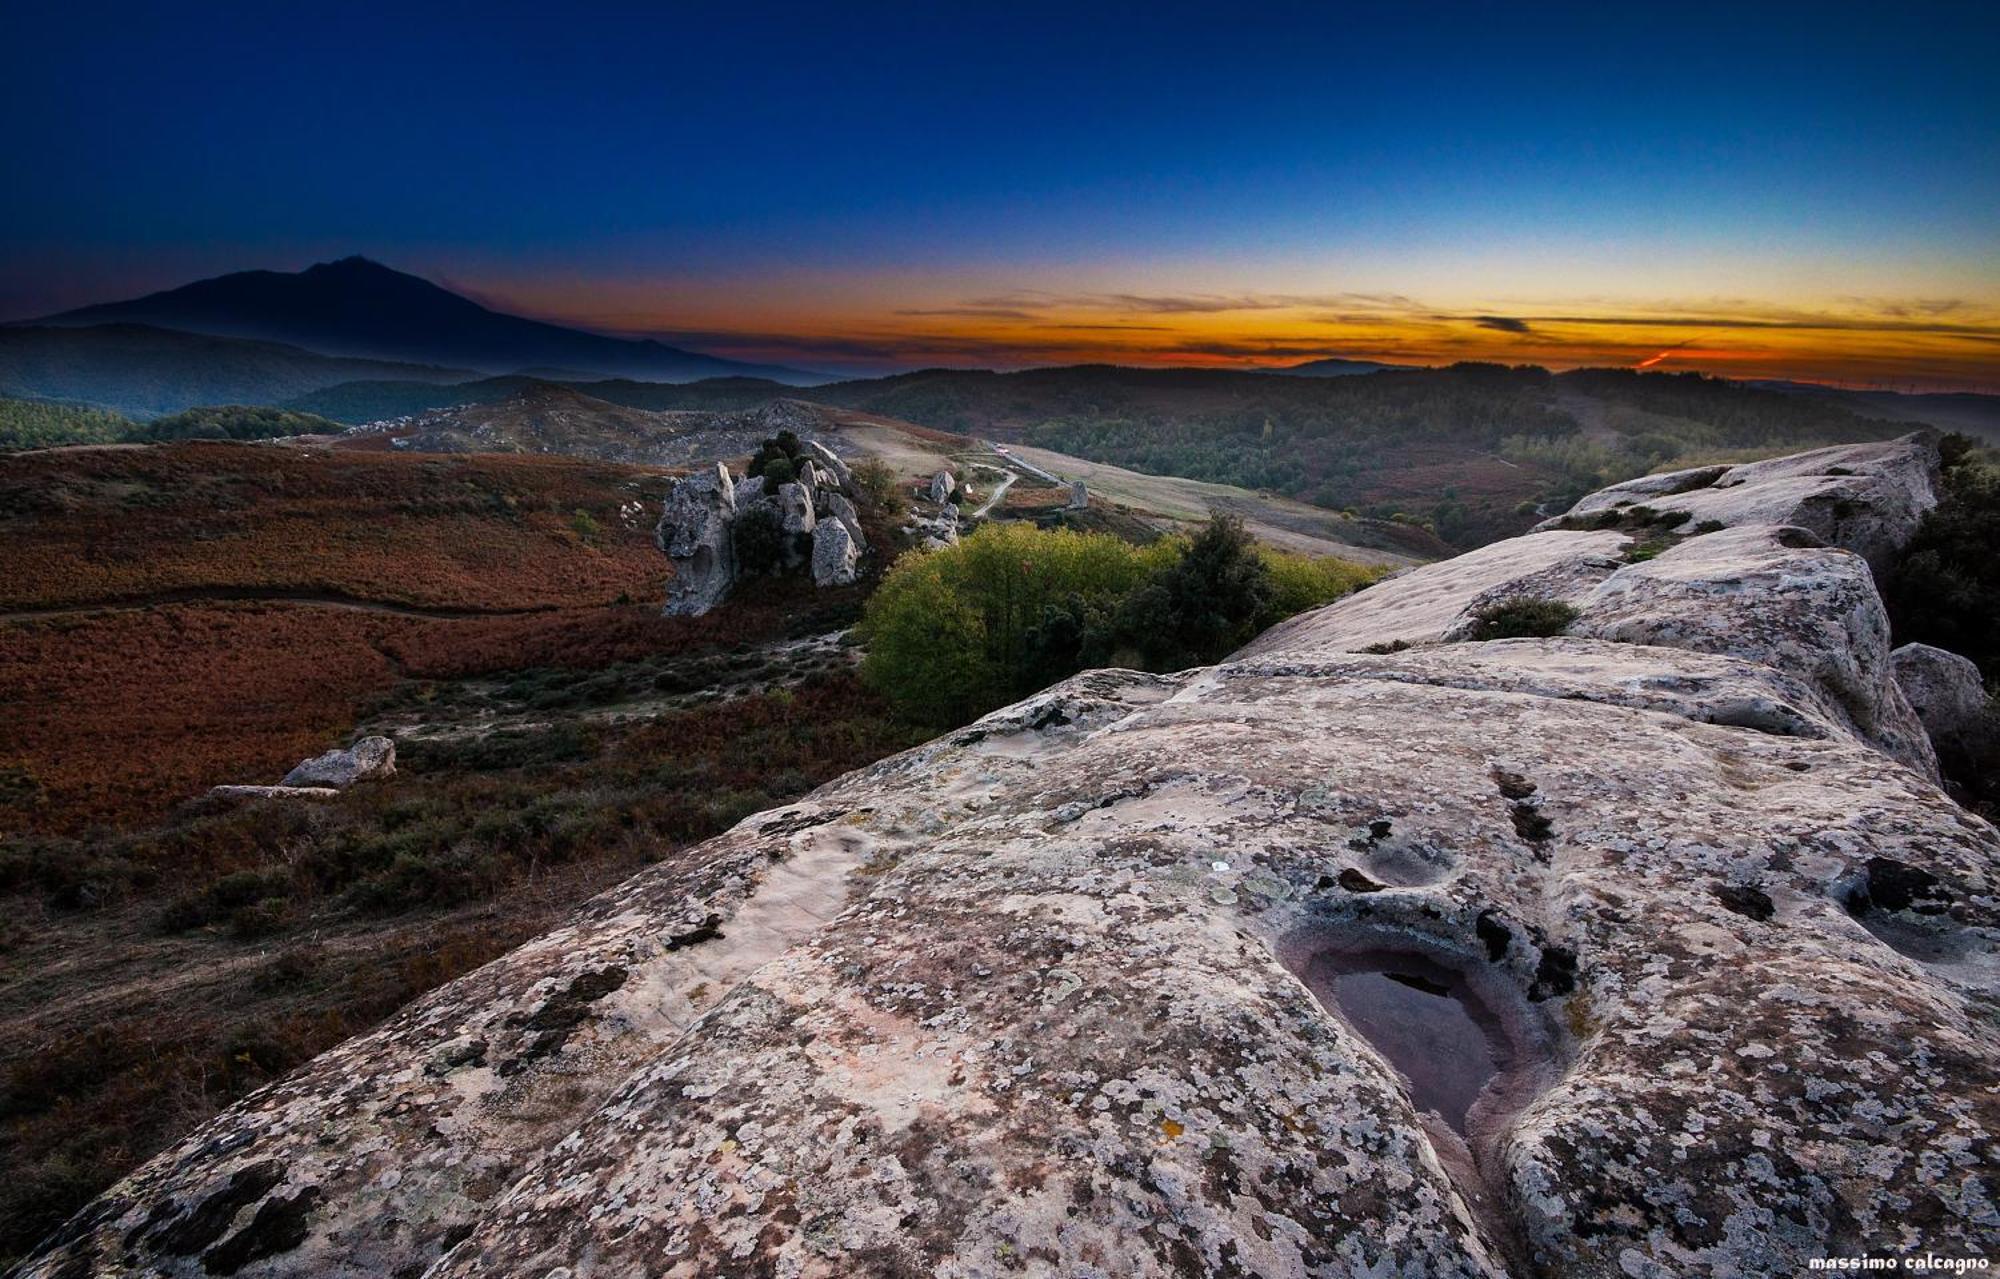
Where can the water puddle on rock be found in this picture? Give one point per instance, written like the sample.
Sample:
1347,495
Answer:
1471,1050
1420,1016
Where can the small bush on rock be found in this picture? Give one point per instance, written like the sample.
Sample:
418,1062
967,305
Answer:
1521,618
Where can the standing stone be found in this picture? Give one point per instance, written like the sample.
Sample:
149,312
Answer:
839,508
796,507
833,555
694,532
826,457
1079,497
941,486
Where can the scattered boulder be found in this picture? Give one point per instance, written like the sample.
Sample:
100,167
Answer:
942,486
839,508
337,769
1944,689
934,527
834,557
694,532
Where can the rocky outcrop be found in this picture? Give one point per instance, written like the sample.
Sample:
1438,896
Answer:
704,512
795,508
694,531
369,757
1645,950
933,526
1867,498
827,459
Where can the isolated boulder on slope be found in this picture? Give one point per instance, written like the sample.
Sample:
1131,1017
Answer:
369,757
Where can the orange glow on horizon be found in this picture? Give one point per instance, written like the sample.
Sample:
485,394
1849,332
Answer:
1926,345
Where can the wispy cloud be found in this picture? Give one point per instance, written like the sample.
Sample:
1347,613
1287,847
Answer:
970,312
1502,323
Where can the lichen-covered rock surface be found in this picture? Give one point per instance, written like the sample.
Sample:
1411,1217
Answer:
1097,986
344,766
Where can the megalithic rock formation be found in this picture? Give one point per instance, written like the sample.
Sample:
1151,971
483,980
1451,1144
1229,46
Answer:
695,532
1649,949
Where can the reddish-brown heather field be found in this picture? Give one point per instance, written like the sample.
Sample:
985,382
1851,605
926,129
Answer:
180,616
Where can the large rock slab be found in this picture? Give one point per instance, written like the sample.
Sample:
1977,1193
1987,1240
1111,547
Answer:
1642,951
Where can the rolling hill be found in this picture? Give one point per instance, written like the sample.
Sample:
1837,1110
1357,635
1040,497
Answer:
138,369
362,309
1473,450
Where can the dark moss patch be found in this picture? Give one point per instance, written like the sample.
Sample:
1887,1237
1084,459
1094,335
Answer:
1752,903
1356,882
1555,975
279,1226
1493,934
561,1014
209,1218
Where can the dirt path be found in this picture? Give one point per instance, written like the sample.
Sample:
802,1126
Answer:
267,594
999,493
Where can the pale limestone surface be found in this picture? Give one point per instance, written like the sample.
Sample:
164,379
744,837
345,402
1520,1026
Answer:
1865,497
1028,1000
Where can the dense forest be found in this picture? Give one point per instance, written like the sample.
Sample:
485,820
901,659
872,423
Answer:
40,424
234,422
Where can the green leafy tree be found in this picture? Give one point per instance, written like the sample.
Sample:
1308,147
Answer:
1206,604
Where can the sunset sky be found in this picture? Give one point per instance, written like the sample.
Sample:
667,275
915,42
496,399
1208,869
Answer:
1805,191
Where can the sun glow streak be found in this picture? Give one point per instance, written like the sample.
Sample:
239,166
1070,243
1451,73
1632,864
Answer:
1160,318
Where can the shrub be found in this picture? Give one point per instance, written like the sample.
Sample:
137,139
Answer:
1301,582
1206,604
948,633
1523,617
1011,609
777,473
760,541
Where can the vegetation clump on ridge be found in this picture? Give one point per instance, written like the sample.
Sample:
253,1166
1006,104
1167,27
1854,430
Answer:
1012,609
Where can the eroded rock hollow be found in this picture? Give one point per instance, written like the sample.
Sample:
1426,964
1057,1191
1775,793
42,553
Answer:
1648,949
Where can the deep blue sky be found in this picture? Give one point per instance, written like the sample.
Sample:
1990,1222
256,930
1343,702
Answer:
717,171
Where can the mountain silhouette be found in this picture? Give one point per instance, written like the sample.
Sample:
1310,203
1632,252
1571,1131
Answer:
359,308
